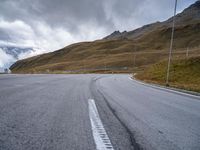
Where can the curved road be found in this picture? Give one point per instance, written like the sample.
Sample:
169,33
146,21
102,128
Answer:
87,112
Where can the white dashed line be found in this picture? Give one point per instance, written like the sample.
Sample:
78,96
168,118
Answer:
101,138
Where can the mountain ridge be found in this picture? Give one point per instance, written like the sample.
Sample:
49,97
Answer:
188,14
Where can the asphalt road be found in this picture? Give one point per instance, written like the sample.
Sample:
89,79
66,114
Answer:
85,112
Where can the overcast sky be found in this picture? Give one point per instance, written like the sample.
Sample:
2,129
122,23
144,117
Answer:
47,25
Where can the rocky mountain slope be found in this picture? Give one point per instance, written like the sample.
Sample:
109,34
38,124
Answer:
190,15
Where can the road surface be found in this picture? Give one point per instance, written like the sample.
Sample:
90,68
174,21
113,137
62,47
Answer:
88,112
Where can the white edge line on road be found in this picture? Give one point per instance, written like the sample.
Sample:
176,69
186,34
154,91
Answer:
101,138
163,88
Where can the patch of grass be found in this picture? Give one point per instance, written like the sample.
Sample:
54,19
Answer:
184,73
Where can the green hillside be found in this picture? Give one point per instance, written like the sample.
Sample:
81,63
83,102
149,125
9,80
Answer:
184,73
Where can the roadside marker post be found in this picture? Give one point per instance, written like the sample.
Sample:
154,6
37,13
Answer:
171,45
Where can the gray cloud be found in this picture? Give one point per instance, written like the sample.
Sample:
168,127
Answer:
71,13
60,13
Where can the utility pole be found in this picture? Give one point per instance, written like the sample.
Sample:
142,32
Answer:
171,45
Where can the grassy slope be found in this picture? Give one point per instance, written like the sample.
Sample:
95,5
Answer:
184,73
150,48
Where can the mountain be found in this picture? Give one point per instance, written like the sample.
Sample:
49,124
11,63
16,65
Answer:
10,54
189,16
15,51
122,51
133,34
116,35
